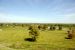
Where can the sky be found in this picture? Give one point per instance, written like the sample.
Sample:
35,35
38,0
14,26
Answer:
37,11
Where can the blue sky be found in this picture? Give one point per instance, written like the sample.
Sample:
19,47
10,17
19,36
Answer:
37,11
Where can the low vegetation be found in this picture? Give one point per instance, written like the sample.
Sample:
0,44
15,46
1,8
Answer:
13,38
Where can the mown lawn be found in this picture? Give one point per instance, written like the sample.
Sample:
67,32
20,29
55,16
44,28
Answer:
13,39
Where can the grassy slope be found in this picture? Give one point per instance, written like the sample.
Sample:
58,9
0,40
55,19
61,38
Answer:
14,38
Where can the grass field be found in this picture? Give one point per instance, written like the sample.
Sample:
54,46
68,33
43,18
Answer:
12,38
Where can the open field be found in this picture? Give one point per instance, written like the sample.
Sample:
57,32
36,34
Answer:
12,38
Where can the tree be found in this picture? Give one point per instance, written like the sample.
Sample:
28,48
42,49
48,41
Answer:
70,33
1,25
44,27
51,27
22,25
54,28
33,32
39,27
30,28
60,27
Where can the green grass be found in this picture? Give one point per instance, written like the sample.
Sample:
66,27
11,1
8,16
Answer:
13,39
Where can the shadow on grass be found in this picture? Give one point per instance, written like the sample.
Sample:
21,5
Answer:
30,39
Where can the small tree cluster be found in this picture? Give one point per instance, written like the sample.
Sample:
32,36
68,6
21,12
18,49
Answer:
52,27
33,32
